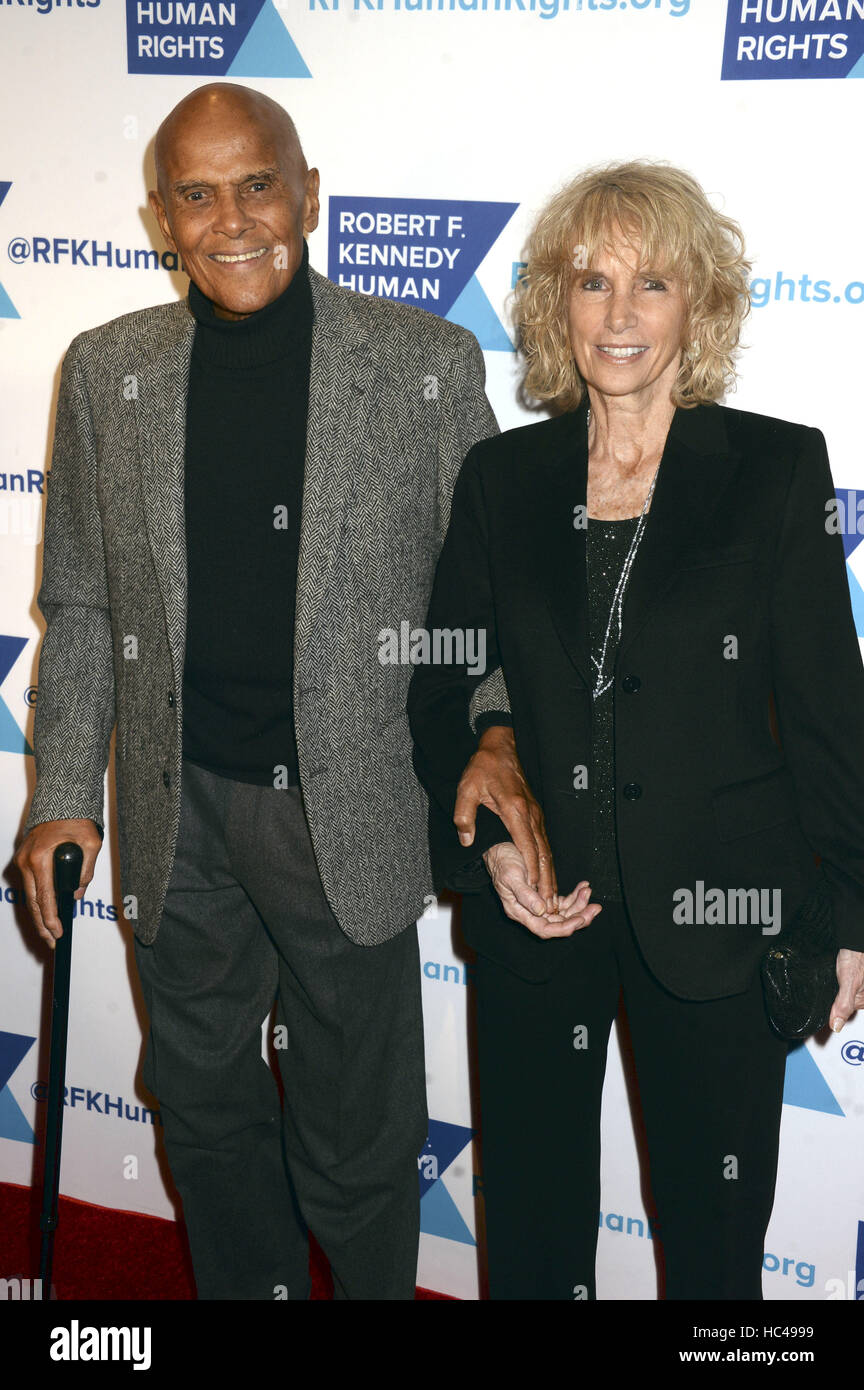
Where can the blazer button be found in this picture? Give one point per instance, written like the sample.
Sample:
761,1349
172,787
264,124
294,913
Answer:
171,698
166,777
632,791
631,684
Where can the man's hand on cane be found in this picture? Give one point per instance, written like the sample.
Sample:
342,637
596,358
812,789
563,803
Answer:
35,859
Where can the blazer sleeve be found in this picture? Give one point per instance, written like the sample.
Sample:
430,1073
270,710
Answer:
819,685
440,695
75,708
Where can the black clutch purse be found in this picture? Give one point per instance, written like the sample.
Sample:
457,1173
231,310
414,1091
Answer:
799,978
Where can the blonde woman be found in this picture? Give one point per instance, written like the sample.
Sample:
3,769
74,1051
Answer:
654,574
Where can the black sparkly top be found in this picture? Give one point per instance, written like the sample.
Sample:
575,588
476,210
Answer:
607,546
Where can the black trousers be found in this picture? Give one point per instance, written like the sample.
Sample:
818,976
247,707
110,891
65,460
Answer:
710,1077
245,920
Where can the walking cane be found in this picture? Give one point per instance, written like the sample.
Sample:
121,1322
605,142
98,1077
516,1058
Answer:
68,859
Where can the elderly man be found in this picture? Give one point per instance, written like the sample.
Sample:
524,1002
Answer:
247,488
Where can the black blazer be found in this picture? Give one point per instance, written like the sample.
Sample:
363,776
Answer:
736,545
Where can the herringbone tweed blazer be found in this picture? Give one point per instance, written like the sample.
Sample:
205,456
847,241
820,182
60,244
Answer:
396,401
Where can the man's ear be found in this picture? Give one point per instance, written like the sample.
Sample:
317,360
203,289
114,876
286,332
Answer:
161,217
311,204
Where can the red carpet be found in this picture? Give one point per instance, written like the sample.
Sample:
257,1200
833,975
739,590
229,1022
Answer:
101,1254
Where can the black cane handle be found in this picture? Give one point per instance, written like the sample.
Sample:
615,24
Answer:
68,859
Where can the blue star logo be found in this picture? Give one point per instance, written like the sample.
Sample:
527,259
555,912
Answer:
850,517
439,1215
11,738
804,1084
7,308
13,1123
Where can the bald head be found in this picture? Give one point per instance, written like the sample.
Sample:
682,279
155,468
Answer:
234,196
219,105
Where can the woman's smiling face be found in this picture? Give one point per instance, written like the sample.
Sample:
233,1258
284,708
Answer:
626,322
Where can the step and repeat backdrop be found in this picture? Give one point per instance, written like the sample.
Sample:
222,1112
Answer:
466,114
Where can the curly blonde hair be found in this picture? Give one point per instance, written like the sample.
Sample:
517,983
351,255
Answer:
665,212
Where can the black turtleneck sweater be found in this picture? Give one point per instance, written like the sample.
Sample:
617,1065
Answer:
245,452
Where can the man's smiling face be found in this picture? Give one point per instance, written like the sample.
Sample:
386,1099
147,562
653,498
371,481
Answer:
235,198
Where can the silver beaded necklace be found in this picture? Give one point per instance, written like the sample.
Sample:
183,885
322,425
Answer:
601,685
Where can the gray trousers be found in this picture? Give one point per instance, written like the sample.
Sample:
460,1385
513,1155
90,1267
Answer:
246,920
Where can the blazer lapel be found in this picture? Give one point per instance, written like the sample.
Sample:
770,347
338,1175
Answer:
160,414
340,391
561,472
695,469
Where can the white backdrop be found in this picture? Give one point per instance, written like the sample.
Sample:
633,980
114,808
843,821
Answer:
438,104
